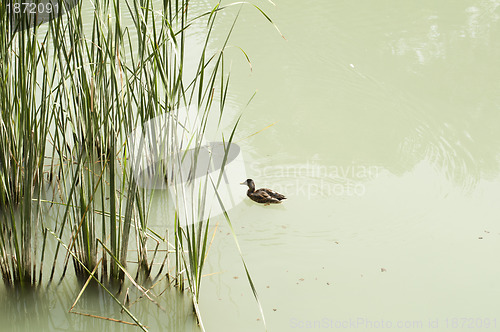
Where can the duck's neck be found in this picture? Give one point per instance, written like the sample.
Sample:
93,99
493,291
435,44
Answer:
251,188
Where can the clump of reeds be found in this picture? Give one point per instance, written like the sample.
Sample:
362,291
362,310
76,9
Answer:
69,98
25,119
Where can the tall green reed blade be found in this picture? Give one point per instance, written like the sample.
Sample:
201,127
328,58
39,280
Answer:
249,278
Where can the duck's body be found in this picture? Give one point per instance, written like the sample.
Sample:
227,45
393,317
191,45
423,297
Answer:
263,195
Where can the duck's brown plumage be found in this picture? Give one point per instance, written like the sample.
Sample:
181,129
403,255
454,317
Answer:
263,195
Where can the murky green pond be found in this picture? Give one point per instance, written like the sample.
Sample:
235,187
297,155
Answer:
379,120
386,141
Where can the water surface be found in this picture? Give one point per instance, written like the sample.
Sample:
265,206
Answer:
386,141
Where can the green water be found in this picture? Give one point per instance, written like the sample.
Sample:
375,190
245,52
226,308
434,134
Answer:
386,141
384,138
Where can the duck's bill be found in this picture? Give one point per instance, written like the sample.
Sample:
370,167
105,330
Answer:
243,183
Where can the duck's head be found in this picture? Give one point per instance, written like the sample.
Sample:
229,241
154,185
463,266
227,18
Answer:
249,183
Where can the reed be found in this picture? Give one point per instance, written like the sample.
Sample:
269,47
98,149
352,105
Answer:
70,94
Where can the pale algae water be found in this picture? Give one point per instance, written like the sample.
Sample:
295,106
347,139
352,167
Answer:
384,138
386,141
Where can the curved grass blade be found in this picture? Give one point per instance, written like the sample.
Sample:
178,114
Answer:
249,278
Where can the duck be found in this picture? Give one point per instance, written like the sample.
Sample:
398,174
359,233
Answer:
263,195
